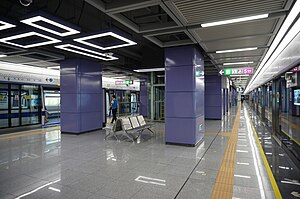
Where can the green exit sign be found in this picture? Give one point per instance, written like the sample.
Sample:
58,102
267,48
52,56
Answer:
228,71
128,82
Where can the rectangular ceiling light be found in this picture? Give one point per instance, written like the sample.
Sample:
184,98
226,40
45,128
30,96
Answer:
86,52
236,50
8,40
4,25
149,70
32,22
83,40
1,55
238,63
230,21
54,67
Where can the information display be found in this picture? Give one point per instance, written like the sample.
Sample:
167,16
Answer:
297,97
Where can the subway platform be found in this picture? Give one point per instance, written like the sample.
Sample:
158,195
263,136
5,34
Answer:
228,163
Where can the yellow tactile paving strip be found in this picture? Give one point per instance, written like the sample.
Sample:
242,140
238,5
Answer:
223,188
289,123
12,136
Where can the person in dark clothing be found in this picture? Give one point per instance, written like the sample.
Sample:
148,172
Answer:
114,108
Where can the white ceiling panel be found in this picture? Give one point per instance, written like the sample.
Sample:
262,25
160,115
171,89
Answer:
237,43
253,53
237,59
203,11
237,66
237,30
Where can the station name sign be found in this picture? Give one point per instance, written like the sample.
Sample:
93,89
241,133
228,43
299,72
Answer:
236,71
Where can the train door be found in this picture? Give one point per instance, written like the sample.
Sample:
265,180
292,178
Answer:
107,100
134,107
52,106
276,106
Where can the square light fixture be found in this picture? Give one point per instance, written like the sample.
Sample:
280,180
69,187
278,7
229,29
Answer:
86,52
83,40
4,25
32,22
7,40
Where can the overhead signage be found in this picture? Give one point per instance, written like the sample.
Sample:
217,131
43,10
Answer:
295,69
122,82
24,77
128,82
236,71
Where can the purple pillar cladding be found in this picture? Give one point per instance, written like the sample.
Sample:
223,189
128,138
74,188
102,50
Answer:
144,98
81,96
184,95
213,97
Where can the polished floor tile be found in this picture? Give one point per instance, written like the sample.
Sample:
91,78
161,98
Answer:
51,165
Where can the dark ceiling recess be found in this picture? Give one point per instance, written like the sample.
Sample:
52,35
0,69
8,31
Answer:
148,15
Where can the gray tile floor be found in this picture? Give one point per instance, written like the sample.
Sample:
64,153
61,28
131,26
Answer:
51,165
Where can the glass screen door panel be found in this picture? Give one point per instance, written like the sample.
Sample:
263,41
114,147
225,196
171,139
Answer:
4,106
30,104
52,106
15,108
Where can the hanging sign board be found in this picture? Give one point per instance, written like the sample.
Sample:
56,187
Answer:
236,71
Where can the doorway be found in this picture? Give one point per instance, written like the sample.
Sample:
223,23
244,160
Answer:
159,103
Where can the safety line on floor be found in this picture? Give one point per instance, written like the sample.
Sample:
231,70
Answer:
289,123
266,163
31,131
297,142
223,187
11,137
189,176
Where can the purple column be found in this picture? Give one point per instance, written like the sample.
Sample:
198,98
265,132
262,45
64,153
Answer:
213,97
184,95
81,96
144,98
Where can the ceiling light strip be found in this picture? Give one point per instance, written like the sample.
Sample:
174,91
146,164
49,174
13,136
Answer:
32,22
238,63
149,70
86,52
230,21
236,50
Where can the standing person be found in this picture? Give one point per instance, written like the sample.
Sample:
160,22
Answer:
114,108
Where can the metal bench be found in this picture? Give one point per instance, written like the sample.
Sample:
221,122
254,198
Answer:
136,125
113,129
144,125
128,129
128,126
